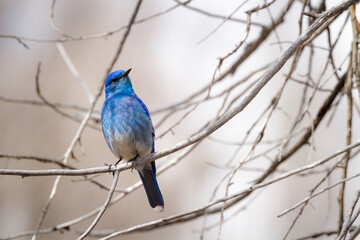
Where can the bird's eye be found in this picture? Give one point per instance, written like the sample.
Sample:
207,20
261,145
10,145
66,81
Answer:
115,80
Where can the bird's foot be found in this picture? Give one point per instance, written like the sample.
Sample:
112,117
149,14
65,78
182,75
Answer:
133,162
118,161
109,167
112,165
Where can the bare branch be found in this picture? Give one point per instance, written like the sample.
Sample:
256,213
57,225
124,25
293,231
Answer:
106,204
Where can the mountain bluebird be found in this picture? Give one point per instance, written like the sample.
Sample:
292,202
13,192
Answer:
128,130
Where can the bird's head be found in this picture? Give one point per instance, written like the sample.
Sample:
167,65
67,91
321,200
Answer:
118,81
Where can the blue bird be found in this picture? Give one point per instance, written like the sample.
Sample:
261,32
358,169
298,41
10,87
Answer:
128,130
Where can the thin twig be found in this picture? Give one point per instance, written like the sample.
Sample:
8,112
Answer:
223,22
348,153
73,70
318,193
200,211
104,207
348,222
125,192
85,119
36,158
45,101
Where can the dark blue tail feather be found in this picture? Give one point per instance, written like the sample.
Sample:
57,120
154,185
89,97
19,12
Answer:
151,186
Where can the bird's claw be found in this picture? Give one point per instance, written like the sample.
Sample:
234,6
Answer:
134,163
109,167
112,165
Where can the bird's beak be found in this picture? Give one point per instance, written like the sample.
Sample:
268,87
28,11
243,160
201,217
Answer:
126,73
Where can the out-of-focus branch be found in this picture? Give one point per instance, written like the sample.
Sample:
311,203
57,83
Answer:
36,158
213,15
19,39
73,70
45,101
233,111
106,204
67,38
273,69
348,222
305,138
344,166
250,48
231,97
355,57
84,121
52,20
239,107
355,232
200,211
223,22
318,193
66,225
320,234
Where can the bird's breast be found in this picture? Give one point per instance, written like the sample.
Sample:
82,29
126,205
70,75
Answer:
126,147
123,146
127,127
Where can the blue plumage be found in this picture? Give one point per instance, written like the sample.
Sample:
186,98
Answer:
128,130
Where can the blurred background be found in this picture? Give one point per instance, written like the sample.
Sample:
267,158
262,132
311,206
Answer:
170,60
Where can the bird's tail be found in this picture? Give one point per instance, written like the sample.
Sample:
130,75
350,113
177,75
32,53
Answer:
151,186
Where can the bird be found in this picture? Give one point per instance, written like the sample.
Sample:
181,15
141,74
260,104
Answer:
129,132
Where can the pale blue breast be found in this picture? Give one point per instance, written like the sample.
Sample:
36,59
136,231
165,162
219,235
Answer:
126,126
